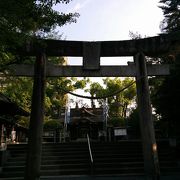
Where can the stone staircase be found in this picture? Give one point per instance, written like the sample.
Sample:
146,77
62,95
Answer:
110,158
126,158
65,159
57,160
120,158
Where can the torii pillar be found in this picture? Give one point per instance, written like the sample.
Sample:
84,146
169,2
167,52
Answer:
151,163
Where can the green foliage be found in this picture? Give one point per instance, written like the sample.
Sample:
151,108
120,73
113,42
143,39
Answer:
95,90
34,16
117,122
80,84
23,121
57,98
5,57
52,125
19,89
21,20
119,102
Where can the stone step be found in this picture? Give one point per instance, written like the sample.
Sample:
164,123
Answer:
53,157
76,165
119,164
122,158
18,174
50,161
65,161
116,155
118,170
80,171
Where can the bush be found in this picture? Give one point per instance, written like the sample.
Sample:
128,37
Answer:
117,122
52,125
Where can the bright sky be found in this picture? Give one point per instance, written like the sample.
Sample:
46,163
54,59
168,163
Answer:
102,20
112,19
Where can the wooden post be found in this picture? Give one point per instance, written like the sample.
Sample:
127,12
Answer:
151,163
91,55
36,120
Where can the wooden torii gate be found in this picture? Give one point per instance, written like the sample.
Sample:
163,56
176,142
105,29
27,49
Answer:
91,53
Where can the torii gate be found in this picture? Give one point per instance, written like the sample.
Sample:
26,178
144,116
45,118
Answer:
91,53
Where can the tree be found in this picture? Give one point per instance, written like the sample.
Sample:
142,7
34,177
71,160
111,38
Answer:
21,20
33,18
95,90
19,89
165,98
118,102
171,11
165,91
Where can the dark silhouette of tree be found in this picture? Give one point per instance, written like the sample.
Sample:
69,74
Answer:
171,11
165,91
21,20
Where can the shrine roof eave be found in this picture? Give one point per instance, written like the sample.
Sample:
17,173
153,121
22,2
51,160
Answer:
7,107
79,120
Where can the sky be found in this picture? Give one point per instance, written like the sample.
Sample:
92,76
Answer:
103,20
111,19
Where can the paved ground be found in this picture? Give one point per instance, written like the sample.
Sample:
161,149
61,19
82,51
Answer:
100,178
108,178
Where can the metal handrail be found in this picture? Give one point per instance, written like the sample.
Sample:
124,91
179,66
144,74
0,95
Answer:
90,153
89,146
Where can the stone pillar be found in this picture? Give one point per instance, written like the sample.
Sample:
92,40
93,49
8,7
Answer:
151,163
36,120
